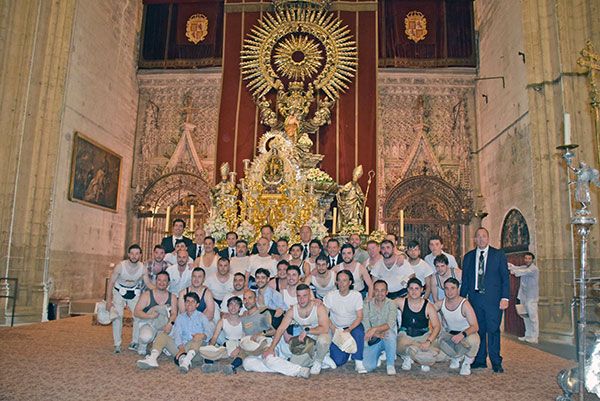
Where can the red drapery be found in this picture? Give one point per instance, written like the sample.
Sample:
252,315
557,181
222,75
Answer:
349,140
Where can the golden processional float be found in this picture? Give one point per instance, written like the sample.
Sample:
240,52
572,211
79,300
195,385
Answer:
296,62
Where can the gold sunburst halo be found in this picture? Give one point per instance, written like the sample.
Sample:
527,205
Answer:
336,68
297,57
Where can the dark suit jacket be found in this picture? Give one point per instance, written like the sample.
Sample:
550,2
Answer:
167,243
224,253
272,251
497,283
338,259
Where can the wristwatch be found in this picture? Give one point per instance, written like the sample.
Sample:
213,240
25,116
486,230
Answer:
464,333
307,329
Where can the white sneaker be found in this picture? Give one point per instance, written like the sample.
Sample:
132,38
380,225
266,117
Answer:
406,363
381,359
532,340
141,350
315,369
521,338
465,369
425,368
454,363
391,370
328,363
150,362
304,373
360,368
186,361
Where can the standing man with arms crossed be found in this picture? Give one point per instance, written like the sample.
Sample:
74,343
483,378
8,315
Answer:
485,282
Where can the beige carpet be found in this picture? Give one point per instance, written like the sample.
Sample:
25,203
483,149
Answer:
72,360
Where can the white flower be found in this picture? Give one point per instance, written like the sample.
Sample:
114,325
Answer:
283,230
216,227
318,229
246,231
318,175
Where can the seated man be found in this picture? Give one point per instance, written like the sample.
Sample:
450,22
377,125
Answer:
460,338
268,297
190,331
239,285
314,324
443,272
229,332
345,306
257,325
379,320
157,310
415,339
220,283
171,257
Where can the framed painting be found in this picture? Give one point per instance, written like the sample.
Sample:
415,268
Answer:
95,174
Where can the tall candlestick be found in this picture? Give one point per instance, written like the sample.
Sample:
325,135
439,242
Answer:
401,223
367,220
567,129
333,229
191,217
232,177
167,219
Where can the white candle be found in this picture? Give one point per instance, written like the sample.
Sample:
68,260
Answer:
167,218
191,217
567,127
401,223
367,220
334,220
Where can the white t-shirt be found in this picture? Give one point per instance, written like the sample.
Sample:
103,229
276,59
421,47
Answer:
171,259
342,310
239,264
179,281
396,277
219,289
451,260
267,262
422,270
224,308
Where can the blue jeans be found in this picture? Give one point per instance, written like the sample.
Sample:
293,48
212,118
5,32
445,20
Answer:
340,357
372,352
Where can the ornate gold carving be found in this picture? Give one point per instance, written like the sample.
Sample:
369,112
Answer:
317,4
415,26
196,28
297,57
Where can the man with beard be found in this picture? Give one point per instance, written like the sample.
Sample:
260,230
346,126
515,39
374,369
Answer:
157,263
423,270
360,255
268,297
393,270
239,285
362,279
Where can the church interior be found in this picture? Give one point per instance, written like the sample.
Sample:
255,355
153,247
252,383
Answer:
120,116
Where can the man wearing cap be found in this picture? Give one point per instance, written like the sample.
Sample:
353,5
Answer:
313,321
190,331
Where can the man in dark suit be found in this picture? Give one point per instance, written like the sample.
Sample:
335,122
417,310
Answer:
177,234
229,251
485,281
266,231
333,252
197,249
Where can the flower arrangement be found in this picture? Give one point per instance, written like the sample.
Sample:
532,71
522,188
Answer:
318,229
216,227
246,231
318,175
353,227
283,230
377,236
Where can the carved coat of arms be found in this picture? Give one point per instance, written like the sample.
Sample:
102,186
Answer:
196,28
415,26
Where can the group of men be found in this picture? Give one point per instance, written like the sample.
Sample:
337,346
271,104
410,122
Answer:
300,309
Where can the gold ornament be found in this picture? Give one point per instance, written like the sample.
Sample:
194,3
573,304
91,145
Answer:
196,28
415,26
298,57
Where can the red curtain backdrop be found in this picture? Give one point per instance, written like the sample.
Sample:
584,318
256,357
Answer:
349,140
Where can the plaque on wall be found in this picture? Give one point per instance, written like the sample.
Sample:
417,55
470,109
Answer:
95,174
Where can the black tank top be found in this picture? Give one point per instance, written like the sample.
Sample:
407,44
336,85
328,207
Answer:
154,303
202,305
414,323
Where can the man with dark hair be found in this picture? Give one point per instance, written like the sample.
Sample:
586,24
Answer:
360,255
486,285
423,271
261,259
295,259
229,251
442,273
239,263
460,338
282,250
157,310
266,231
415,339
362,278
333,252
239,285
171,257
190,331
268,297
374,252
311,318
381,333
322,279
528,295
177,228
393,270
220,283
345,307
157,263
180,273
436,248
124,289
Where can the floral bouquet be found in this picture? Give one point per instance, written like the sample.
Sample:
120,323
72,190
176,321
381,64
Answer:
318,229
318,175
216,227
283,230
246,231
377,236
353,227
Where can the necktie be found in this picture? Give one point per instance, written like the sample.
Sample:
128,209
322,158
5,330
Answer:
305,253
332,261
232,253
481,273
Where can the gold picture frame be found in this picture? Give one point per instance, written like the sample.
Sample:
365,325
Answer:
95,174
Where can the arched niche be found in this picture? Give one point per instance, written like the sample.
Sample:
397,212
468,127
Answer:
515,233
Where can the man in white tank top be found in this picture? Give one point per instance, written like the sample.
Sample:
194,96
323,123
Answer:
314,323
459,338
124,289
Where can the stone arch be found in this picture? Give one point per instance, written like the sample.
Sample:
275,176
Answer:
431,206
515,232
